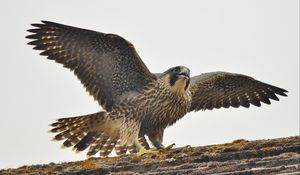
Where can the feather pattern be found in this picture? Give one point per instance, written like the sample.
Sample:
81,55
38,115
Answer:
106,64
136,102
222,89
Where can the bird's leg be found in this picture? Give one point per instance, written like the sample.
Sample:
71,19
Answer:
157,144
157,139
142,150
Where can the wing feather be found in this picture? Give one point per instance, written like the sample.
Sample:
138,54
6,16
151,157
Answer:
106,64
222,89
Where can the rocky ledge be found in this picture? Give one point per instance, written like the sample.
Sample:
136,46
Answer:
271,156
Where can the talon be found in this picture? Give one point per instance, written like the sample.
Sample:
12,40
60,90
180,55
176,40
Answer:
143,151
170,146
188,146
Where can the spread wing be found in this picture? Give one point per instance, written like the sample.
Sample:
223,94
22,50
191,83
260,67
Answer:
222,89
106,64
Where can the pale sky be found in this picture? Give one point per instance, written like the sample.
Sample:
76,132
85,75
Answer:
259,38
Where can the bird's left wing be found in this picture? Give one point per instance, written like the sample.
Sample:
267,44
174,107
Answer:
106,64
222,89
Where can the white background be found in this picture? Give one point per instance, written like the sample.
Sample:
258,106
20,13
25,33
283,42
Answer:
259,38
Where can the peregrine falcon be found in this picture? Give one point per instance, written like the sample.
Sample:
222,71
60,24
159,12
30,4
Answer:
136,103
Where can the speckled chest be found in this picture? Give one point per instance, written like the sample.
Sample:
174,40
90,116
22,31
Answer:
156,107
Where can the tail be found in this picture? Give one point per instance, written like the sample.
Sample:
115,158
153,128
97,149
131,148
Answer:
86,131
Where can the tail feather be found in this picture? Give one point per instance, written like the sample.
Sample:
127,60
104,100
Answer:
107,148
106,145
86,141
71,130
85,132
72,140
64,123
97,145
79,132
69,126
120,149
62,136
63,127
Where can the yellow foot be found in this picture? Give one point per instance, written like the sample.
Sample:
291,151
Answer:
143,151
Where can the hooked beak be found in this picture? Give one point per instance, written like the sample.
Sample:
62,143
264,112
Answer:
185,73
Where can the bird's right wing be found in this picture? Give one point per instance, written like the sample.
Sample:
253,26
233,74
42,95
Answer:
222,89
106,64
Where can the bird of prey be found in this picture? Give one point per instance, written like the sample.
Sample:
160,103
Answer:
136,103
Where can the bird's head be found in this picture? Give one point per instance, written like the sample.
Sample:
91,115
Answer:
178,78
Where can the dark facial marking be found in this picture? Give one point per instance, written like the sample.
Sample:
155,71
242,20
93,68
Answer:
173,79
175,73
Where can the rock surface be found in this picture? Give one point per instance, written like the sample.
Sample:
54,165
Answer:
272,156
